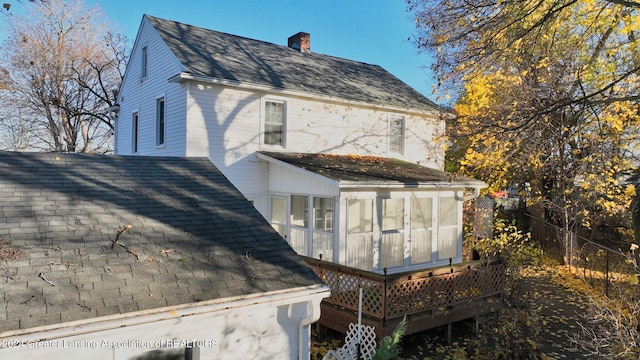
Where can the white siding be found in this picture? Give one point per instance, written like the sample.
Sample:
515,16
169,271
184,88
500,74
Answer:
271,329
138,94
222,124
282,180
226,124
321,127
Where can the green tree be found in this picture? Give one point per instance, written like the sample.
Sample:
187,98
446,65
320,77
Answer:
63,64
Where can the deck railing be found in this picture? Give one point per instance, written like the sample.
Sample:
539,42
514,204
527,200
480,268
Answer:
440,295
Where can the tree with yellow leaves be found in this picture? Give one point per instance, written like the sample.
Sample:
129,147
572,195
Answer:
548,95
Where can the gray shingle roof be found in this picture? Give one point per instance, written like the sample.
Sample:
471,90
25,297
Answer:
193,238
217,55
371,170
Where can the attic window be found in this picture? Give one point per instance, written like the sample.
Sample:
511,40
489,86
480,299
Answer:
143,62
274,123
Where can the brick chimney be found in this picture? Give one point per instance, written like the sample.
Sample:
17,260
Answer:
301,42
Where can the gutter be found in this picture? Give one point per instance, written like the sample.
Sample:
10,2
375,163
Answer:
185,76
476,193
88,326
399,185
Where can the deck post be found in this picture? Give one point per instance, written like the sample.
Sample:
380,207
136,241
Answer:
385,299
448,334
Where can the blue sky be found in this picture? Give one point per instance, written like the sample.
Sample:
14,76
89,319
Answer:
375,31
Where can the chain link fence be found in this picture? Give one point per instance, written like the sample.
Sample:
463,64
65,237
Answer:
599,262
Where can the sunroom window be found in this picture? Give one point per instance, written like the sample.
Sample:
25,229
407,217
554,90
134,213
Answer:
360,234
322,228
392,243
299,224
447,228
421,229
323,214
279,215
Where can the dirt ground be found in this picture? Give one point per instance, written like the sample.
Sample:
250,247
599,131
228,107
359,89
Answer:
537,322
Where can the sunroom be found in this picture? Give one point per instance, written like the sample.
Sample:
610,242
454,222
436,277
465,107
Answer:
368,213
390,228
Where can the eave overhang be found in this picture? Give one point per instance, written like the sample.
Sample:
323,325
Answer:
186,76
466,188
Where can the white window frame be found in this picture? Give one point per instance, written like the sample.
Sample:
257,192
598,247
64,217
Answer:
393,137
135,132
445,229
364,237
284,224
428,228
265,124
322,238
161,121
305,228
398,232
323,216
144,62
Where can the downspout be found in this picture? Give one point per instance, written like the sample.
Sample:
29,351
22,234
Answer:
311,315
476,193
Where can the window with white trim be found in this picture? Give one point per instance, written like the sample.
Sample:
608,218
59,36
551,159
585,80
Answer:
421,229
144,62
299,220
396,134
360,234
135,127
392,226
274,122
447,228
323,214
160,121
322,238
279,215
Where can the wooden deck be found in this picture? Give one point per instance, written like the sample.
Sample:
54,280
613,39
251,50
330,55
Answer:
428,298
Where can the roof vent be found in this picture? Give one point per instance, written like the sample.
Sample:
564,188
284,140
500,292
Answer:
301,42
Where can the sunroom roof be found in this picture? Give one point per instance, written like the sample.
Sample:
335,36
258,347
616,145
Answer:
355,170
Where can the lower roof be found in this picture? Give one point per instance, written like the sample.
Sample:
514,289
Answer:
87,236
349,170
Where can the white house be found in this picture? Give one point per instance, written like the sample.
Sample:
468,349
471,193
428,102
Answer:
129,257
299,134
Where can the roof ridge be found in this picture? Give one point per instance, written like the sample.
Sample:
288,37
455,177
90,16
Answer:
312,53
219,55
